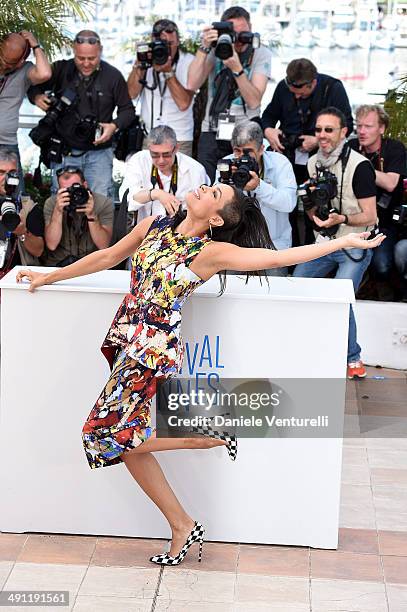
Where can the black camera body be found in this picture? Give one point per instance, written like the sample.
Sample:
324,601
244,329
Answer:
86,128
153,52
41,134
319,192
10,204
291,142
78,196
227,36
241,176
399,216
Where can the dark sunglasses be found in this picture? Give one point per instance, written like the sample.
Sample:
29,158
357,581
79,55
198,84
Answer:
328,130
68,170
92,40
297,85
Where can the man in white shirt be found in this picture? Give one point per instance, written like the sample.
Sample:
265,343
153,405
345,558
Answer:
275,186
164,97
158,179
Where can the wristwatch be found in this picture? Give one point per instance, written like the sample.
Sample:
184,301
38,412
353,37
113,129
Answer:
168,75
238,74
204,49
38,46
346,219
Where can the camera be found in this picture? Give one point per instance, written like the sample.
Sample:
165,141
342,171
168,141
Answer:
227,36
400,215
241,176
78,196
153,52
86,128
41,134
318,192
10,203
291,142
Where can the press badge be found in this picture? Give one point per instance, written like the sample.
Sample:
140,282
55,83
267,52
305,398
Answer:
321,238
301,157
226,124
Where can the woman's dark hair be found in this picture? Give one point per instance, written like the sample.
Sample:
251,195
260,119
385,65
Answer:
243,225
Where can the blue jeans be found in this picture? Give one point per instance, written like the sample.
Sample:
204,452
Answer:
345,268
97,167
383,255
400,257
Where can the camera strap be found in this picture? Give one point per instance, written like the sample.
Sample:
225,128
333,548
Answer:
3,82
226,89
156,178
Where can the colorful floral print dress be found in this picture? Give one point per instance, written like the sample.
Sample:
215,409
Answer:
144,342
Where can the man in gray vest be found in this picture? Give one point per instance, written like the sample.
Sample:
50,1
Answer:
340,198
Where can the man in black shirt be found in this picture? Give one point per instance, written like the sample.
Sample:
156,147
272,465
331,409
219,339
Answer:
295,104
25,243
94,89
388,157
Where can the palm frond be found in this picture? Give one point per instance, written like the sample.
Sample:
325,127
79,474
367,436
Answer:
396,107
45,18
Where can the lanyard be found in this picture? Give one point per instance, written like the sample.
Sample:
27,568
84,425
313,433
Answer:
156,179
375,158
3,82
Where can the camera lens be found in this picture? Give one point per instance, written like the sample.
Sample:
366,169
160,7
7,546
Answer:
224,47
9,216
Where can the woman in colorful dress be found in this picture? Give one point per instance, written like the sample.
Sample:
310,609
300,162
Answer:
222,230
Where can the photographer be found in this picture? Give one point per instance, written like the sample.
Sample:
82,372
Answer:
16,76
159,77
340,198
295,104
22,221
388,157
238,69
158,179
271,180
77,221
78,127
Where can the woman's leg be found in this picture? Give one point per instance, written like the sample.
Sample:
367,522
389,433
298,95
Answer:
146,470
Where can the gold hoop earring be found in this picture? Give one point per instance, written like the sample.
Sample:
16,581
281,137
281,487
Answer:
210,229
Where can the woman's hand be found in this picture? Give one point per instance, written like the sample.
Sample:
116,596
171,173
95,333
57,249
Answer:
36,279
359,241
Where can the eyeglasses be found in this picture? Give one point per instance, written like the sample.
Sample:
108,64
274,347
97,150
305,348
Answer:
92,40
328,130
68,170
297,85
165,155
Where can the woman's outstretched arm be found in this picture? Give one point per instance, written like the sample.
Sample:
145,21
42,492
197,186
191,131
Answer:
231,257
95,262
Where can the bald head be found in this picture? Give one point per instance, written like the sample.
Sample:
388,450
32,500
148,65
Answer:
12,51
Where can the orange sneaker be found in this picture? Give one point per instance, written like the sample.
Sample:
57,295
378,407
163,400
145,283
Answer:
356,369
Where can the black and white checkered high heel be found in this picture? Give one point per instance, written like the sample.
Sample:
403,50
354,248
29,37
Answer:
196,535
231,440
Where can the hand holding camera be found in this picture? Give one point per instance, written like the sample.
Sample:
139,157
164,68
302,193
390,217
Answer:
104,132
75,199
88,208
309,143
63,199
243,172
273,136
